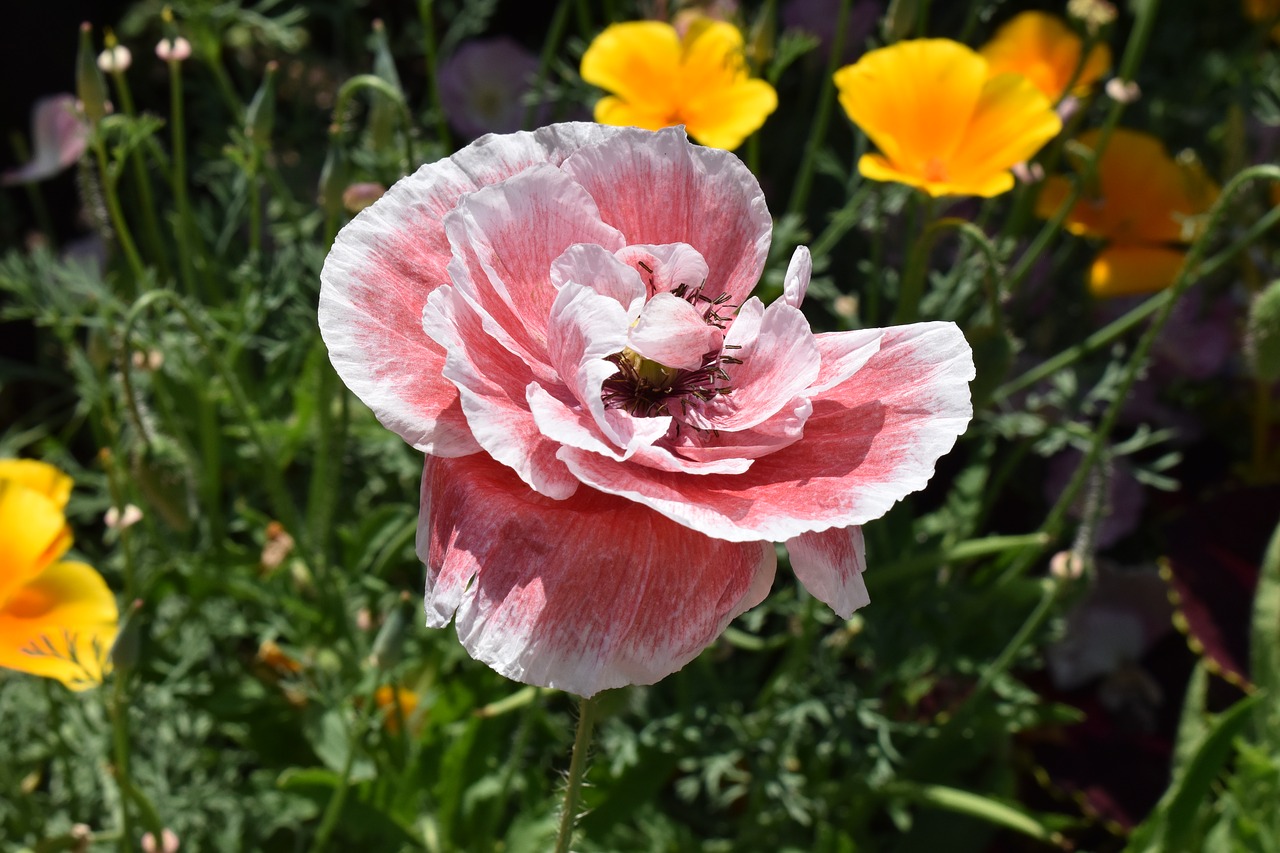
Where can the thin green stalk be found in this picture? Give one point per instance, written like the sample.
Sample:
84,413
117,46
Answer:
1146,15
917,268
550,49
323,489
178,139
426,12
142,180
117,216
821,116
577,770
120,743
329,821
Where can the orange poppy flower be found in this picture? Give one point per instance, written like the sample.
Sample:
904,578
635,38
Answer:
387,698
660,79
1145,204
57,619
1046,51
942,122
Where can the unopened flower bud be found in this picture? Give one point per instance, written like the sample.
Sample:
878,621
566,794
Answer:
113,59
168,842
1066,566
117,520
357,197
90,87
390,639
124,651
1028,173
1123,91
173,50
333,175
260,116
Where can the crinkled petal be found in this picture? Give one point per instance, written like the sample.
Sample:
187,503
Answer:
504,239
60,625
581,595
387,260
492,382
830,565
665,268
843,354
657,188
597,268
673,333
783,428
870,441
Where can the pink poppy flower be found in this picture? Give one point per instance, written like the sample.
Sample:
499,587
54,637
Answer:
616,432
59,137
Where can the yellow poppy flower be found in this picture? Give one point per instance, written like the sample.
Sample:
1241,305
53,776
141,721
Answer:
1046,51
57,619
1145,204
941,121
659,79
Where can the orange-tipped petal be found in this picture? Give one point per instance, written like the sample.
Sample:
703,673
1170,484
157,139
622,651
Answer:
33,533
1011,122
40,476
914,100
60,625
1134,270
1042,48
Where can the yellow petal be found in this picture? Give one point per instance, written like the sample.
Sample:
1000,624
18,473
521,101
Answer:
639,62
712,57
1011,122
617,112
914,100
1042,48
33,533
60,625
1134,270
40,476
726,118
877,168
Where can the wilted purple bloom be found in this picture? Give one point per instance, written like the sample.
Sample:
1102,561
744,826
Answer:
484,84
58,136
818,18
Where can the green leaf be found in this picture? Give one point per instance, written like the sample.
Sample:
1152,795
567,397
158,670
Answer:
1264,646
975,805
1194,724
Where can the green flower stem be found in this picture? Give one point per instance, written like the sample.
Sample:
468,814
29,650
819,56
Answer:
333,811
917,268
179,180
1109,333
142,180
821,116
430,50
117,216
118,708
323,489
577,769
550,49
1146,15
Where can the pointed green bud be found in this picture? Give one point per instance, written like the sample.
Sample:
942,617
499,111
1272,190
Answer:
333,175
90,87
1262,334
383,111
124,651
261,115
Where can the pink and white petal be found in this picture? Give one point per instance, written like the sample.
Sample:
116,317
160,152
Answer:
596,267
781,362
387,260
491,382
574,426
581,595
830,565
586,328
795,284
673,333
659,188
504,239
784,428
664,268
869,442
843,354
59,137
